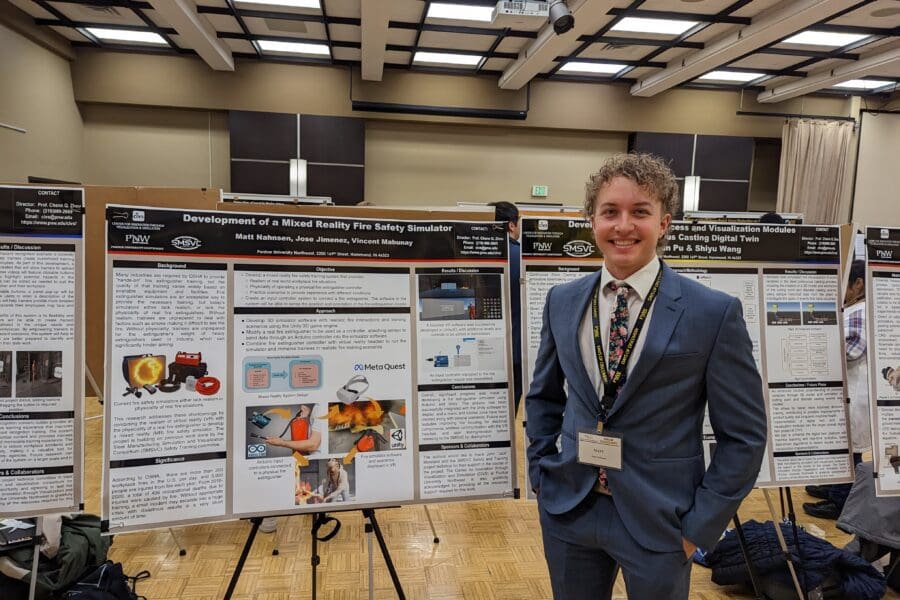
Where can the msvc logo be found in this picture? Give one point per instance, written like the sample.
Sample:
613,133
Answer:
186,242
578,248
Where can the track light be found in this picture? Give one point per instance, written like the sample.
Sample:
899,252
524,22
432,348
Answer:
561,16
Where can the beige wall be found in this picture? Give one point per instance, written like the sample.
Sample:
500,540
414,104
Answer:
438,164
36,95
187,82
877,197
161,147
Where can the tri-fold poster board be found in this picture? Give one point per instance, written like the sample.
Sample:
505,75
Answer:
41,350
787,278
883,323
277,364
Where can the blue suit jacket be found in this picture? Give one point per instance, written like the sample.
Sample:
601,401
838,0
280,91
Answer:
696,352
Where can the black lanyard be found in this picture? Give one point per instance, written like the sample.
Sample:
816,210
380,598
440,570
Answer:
611,380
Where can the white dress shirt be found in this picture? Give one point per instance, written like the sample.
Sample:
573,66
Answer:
641,282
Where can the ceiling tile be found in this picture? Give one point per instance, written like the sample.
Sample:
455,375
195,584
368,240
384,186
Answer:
346,54
609,52
108,15
455,41
397,58
346,33
240,46
496,64
513,44
886,15
703,7
343,8
401,37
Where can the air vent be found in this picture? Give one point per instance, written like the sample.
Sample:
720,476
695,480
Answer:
110,11
616,46
285,25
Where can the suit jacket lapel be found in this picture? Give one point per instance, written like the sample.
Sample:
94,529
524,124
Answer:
666,313
581,381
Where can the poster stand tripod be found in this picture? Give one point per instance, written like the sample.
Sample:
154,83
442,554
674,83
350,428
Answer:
782,492
254,522
434,535
37,541
318,521
792,568
745,551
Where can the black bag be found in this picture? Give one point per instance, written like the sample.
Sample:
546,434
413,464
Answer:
106,582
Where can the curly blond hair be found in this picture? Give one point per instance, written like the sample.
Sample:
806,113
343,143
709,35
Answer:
649,172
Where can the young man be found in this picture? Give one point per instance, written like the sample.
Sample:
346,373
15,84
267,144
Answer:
629,358
507,212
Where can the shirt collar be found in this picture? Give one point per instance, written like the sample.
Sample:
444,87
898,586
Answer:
640,281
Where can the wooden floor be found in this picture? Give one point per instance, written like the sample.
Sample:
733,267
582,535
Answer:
487,550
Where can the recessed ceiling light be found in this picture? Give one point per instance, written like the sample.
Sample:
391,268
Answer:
294,47
126,35
824,38
589,67
863,84
461,12
447,58
739,76
642,25
288,3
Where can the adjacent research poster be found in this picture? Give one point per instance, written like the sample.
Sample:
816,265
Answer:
787,279
556,248
41,350
883,329
276,364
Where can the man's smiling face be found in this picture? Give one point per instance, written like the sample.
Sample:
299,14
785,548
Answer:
627,224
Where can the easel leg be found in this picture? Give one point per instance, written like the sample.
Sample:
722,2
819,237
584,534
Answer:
181,550
783,544
793,518
93,383
434,534
368,528
314,559
369,513
38,532
244,553
751,568
275,551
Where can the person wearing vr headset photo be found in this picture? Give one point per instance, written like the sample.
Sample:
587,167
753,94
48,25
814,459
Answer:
630,356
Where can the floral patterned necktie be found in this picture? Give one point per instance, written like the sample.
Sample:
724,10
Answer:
618,328
618,336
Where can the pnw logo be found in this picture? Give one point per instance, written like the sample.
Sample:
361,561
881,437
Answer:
578,248
186,242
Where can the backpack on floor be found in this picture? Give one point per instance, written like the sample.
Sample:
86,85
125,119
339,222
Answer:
106,582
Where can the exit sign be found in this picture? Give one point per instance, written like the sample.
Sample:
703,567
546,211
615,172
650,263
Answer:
539,191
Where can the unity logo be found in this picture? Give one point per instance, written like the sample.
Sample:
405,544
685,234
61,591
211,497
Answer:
186,242
578,248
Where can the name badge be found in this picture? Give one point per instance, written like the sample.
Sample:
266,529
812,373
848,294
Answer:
600,450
